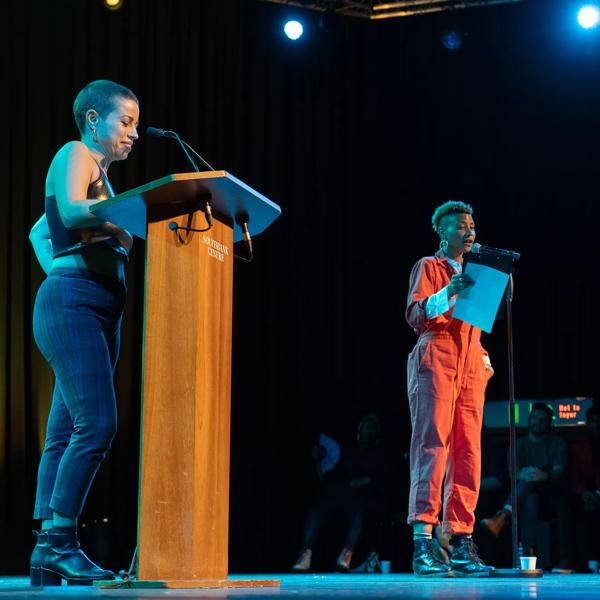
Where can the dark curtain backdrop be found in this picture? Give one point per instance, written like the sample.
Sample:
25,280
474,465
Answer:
358,132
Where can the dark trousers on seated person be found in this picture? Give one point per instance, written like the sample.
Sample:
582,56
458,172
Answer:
542,501
77,318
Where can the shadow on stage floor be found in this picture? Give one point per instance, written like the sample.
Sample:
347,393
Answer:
322,586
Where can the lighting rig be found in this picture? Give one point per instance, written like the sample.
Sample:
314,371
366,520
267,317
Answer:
373,10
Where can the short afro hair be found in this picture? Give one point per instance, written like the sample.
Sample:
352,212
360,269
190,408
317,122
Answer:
451,207
99,95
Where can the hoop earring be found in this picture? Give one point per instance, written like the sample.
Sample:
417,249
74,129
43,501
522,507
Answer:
444,245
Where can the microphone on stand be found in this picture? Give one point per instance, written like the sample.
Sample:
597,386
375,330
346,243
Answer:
480,249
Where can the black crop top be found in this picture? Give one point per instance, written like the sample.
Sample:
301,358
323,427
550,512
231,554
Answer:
69,241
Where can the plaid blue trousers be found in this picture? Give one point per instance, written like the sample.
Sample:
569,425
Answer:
76,325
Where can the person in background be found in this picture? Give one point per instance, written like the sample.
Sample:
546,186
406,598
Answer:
584,486
347,488
541,468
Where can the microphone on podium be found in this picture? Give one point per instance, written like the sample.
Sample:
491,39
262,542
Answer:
242,219
166,133
157,132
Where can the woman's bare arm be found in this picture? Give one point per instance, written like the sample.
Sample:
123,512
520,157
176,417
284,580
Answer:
72,170
39,236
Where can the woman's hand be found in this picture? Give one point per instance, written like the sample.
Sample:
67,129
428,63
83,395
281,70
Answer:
532,474
459,282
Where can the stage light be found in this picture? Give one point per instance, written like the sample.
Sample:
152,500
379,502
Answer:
113,4
452,41
293,29
589,16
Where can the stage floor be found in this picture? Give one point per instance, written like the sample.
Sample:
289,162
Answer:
334,586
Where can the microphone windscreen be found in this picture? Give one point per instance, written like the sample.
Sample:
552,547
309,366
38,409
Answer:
155,131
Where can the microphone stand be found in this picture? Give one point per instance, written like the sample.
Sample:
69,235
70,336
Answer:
516,570
512,427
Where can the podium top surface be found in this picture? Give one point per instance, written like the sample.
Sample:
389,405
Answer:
181,192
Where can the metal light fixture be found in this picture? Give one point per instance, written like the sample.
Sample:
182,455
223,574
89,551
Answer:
113,4
374,10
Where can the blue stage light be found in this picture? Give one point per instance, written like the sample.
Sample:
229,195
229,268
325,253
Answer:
293,29
589,16
452,40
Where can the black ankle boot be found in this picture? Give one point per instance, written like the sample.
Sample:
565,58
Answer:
57,555
426,562
464,559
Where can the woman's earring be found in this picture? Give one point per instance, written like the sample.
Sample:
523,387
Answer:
444,245
94,136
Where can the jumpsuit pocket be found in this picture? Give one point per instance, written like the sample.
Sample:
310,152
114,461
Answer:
419,358
488,370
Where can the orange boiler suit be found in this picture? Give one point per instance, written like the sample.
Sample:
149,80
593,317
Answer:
448,371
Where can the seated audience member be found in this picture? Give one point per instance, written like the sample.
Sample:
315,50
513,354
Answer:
584,479
541,466
347,489
492,492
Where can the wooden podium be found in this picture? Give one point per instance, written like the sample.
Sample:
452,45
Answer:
186,380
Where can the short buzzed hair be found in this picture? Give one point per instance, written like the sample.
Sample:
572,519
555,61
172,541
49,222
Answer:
542,406
100,96
451,207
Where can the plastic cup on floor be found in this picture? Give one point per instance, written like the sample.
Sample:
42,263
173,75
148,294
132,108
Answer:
528,563
386,567
593,566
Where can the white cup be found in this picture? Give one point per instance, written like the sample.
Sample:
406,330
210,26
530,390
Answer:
386,567
528,563
593,566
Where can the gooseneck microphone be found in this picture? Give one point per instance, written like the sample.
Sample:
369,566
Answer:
242,220
480,249
166,133
157,132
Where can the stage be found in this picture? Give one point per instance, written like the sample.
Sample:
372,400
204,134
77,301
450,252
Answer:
323,586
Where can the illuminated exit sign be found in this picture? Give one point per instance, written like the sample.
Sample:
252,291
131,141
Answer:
568,412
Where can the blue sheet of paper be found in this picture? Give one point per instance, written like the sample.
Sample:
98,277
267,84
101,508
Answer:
478,304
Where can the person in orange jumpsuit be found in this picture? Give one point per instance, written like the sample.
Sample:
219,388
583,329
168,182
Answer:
448,370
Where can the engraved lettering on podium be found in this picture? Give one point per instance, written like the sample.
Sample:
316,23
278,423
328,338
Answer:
215,249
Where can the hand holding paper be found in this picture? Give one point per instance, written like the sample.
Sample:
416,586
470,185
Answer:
478,303
459,282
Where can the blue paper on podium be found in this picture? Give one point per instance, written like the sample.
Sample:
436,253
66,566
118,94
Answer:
478,305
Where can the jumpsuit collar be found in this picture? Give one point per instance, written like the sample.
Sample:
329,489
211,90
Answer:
456,266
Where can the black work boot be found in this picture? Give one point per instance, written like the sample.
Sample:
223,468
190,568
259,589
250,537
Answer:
57,555
464,560
426,562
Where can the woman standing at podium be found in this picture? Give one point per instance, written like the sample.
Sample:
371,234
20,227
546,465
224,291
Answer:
448,372
76,324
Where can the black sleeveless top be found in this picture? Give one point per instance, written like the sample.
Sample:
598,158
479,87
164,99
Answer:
70,241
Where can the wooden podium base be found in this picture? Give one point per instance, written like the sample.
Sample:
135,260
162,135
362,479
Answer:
190,584
517,573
